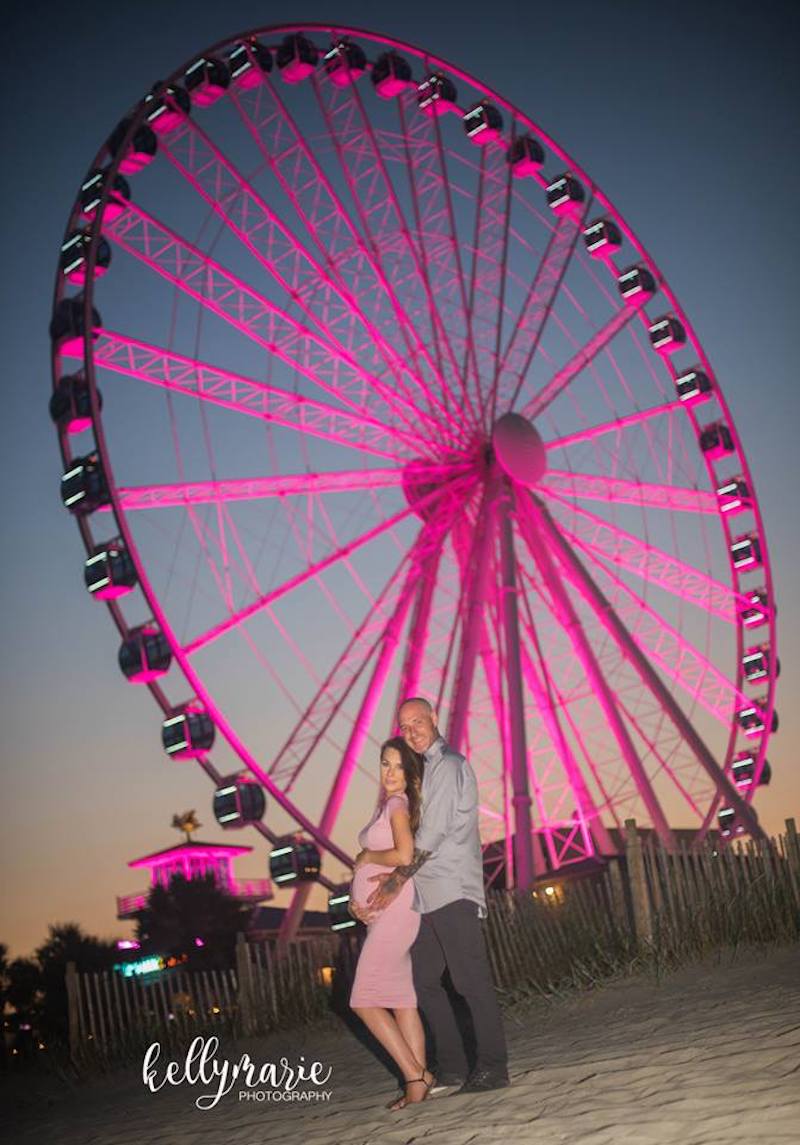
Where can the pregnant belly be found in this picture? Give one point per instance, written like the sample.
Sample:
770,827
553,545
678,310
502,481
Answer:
361,888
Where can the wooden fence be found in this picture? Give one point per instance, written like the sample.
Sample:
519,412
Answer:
647,907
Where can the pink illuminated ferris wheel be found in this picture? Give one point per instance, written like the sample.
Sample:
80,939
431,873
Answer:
394,402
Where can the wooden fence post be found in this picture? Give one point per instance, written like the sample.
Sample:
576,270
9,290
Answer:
243,991
617,894
793,858
638,883
73,1004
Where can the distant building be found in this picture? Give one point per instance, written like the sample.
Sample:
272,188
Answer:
195,859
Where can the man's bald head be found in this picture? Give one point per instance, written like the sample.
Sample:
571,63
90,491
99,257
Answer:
418,723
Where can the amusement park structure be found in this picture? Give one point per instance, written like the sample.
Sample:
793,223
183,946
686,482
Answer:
394,402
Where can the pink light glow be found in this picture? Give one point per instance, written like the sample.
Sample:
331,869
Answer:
276,247
361,161
581,359
294,754
280,485
632,419
537,531
325,218
300,578
205,851
158,366
649,562
614,489
524,338
256,317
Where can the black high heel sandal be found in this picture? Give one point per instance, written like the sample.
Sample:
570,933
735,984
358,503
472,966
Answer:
402,1101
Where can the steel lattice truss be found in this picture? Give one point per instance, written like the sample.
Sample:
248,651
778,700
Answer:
324,298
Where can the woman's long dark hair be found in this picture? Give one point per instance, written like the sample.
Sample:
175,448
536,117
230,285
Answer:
413,766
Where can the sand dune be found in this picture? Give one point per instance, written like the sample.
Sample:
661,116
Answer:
711,1056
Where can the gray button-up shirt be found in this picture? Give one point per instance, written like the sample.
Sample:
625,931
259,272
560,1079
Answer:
449,830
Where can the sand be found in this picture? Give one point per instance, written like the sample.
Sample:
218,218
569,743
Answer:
710,1056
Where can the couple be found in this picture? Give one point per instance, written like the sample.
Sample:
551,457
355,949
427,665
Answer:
418,886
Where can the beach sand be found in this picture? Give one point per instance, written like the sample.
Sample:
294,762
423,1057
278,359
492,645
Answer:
710,1056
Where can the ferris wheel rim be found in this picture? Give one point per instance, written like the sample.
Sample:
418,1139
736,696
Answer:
137,119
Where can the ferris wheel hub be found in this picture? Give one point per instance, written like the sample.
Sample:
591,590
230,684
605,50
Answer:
519,449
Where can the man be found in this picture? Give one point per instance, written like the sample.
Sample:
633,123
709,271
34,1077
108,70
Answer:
449,894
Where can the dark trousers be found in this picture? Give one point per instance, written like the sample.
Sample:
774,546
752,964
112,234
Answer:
452,937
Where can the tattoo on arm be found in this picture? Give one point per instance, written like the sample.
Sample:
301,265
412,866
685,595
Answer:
403,873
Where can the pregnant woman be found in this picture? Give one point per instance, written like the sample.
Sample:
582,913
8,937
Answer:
383,992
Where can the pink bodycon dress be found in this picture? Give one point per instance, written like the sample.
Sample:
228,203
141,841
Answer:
383,974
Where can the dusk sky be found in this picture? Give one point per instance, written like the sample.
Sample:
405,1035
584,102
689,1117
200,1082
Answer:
685,114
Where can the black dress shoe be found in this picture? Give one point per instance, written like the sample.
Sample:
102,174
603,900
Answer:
481,1080
446,1081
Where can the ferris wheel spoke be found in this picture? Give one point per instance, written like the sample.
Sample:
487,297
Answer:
615,490
561,705
311,728
254,316
244,567
488,277
250,578
383,220
529,519
627,421
194,378
259,488
434,220
418,629
591,593
538,305
348,255
315,568
594,535
542,689
581,359
277,249
664,766
678,659
386,652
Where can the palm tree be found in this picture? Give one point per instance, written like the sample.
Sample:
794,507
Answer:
67,942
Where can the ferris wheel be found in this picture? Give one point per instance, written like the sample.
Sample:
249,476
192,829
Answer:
365,390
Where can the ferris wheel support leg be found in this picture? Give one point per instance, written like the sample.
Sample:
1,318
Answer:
533,527
391,637
526,866
478,571
593,595
493,671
